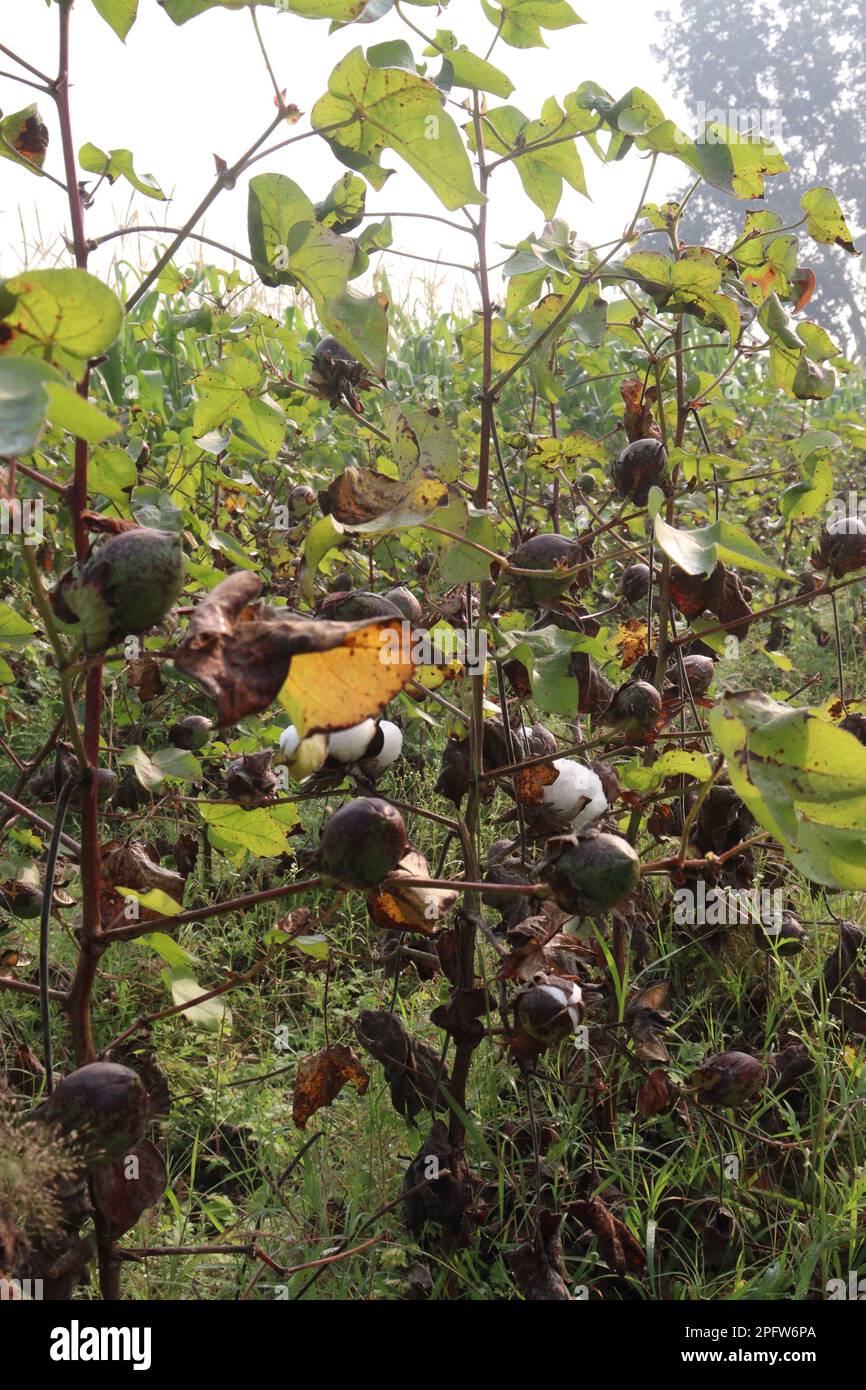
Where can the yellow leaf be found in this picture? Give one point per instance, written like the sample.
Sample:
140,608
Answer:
155,900
338,688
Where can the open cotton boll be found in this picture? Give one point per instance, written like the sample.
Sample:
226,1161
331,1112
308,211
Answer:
392,747
595,807
566,996
350,745
290,741
577,793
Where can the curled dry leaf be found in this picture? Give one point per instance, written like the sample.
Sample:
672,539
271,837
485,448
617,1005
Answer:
654,1096
630,641
845,978
638,419
529,783
411,1067
437,1187
461,1016
721,593
361,499
617,1246
537,1266
400,906
130,866
644,1018
128,1187
537,948
840,552
144,677
329,675
322,1076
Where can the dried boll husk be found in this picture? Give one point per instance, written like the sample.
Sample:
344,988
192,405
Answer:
406,601
249,780
787,937
634,583
635,708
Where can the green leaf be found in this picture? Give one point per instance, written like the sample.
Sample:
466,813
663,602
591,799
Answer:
290,247
520,22
315,946
824,219
60,316
809,497
542,171
343,208
165,946
360,323
169,763
212,1016
113,473
23,407
814,441
177,765
232,392
674,763
258,831
461,68
71,412
737,163
12,626
812,382
700,550
150,506
547,654
340,11
120,14
804,780
323,536
118,164
387,108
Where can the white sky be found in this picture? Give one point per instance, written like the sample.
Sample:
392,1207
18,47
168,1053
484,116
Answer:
176,96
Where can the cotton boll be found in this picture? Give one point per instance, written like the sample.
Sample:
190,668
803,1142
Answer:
595,807
392,747
567,996
577,792
350,745
290,742
302,756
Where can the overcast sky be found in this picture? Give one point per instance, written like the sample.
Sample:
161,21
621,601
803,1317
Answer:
176,96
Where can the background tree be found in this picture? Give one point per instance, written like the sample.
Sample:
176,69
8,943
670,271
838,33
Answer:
808,65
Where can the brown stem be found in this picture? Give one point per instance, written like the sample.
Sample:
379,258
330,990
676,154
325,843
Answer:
40,821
